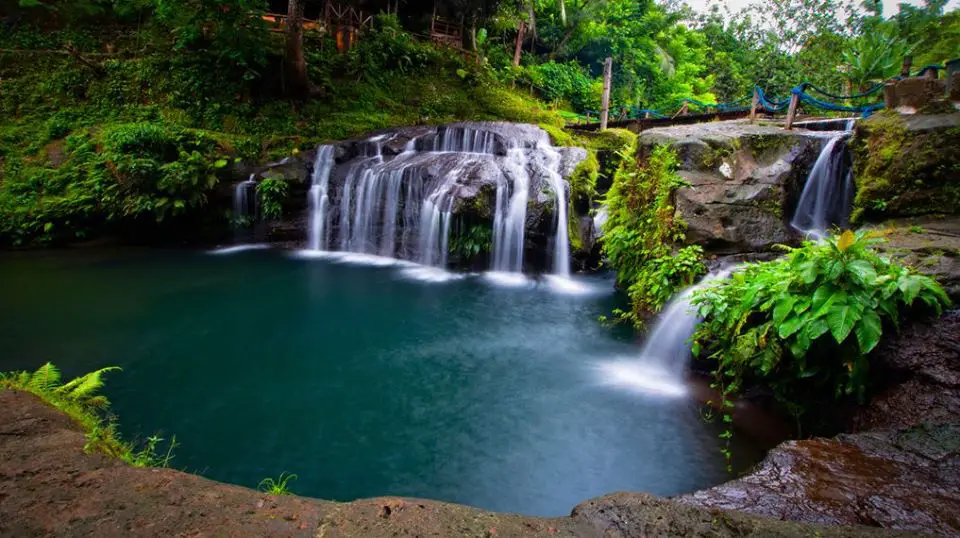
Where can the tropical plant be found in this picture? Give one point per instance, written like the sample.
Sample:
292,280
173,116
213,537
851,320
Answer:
641,230
472,242
272,192
805,324
280,486
79,400
875,55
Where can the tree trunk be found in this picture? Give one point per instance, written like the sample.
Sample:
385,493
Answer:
298,86
517,49
563,13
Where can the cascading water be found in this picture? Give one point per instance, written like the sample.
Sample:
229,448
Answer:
510,219
244,205
666,349
561,241
318,198
398,203
827,196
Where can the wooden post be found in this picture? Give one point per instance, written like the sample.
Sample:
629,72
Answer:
753,105
519,45
605,100
792,111
907,64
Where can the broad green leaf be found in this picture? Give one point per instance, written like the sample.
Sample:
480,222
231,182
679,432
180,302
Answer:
833,270
47,227
868,331
783,308
816,328
790,326
863,270
910,286
220,163
840,319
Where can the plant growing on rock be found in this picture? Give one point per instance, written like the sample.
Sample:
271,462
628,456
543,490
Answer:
280,486
805,324
79,400
641,231
272,192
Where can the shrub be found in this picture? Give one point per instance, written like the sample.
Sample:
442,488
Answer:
805,324
272,191
640,233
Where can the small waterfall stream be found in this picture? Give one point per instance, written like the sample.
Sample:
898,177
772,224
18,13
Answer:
245,201
666,349
827,196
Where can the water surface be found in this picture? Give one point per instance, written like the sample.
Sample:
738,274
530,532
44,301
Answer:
363,380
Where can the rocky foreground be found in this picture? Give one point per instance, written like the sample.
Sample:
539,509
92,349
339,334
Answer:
48,486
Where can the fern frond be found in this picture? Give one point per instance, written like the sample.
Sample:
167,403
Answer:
44,380
99,402
85,386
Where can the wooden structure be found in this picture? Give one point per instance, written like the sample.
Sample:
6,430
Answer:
642,124
446,32
278,23
605,99
344,23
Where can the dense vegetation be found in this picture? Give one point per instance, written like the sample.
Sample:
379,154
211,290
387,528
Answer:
805,324
642,235
120,115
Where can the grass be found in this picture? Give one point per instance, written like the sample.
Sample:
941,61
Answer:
280,486
79,400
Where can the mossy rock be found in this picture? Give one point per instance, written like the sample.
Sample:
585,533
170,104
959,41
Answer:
906,166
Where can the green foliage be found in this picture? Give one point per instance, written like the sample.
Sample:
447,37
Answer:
79,400
640,232
272,192
118,172
472,242
280,486
805,324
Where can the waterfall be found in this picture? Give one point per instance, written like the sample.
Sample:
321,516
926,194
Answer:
827,196
561,241
318,198
403,203
510,218
666,349
244,204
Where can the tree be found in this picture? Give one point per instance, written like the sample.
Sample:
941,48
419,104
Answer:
297,83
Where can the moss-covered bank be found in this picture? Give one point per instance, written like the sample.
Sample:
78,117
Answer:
906,166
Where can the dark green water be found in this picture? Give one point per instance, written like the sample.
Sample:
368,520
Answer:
358,379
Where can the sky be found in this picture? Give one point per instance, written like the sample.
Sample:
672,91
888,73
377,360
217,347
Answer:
890,7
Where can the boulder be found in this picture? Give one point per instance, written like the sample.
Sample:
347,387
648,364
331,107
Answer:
900,479
744,181
929,244
915,93
906,166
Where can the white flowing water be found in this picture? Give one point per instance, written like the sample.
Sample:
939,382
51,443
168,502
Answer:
245,205
827,196
319,199
510,218
666,349
402,206
561,241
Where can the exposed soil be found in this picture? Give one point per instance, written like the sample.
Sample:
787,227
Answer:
49,487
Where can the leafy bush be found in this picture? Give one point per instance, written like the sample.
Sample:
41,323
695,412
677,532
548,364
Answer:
640,232
805,324
272,191
566,82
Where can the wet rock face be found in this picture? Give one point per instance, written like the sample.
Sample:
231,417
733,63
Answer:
901,479
745,180
917,375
